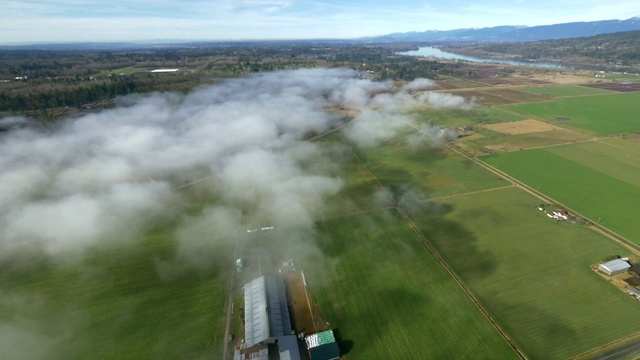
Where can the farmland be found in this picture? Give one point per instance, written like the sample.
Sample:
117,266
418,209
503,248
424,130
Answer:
390,289
563,91
594,179
133,299
600,115
532,274
391,299
426,171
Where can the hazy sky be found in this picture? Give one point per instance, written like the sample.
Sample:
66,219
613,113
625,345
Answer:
25,21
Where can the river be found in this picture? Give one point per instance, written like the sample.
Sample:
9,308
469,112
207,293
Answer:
439,54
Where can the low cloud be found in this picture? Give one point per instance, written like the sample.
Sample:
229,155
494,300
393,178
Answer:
103,178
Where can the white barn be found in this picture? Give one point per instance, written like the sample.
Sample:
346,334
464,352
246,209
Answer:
613,267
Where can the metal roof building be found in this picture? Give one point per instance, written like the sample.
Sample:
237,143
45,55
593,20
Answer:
613,267
634,292
266,311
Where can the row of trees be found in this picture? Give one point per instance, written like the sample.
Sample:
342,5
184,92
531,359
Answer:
74,97
58,79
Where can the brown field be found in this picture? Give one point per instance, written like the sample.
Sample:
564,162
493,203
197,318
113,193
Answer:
303,320
502,81
559,79
446,85
521,127
515,95
615,87
485,98
524,134
459,84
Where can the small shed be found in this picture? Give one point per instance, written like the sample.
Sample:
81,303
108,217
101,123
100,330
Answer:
323,346
613,267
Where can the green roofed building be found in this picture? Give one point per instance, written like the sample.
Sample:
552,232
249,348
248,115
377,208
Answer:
323,346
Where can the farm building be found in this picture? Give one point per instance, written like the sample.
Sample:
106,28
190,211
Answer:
267,323
634,292
613,267
323,346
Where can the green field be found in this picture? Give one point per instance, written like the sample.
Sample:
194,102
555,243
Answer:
391,299
532,274
455,118
602,186
602,115
128,303
432,172
564,90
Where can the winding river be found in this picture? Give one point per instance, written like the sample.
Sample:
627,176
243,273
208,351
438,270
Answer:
439,54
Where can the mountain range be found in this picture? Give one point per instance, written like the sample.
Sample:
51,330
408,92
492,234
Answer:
514,33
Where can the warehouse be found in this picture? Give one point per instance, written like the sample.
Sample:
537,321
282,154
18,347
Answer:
267,323
613,267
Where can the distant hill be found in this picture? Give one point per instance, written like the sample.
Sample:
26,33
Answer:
515,33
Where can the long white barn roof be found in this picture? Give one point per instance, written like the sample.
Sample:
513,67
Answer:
615,265
266,312
256,324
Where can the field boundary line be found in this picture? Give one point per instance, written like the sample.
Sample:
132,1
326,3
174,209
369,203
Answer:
461,284
614,146
612,345
631,246
469,193
510,342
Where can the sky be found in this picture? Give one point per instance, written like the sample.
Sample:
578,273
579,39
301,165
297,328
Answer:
31,21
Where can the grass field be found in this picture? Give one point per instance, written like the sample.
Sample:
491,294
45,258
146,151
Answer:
390,298
602,115
126,303
532,274
594,179
563,90
629,143
487,141
432,172
455,118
